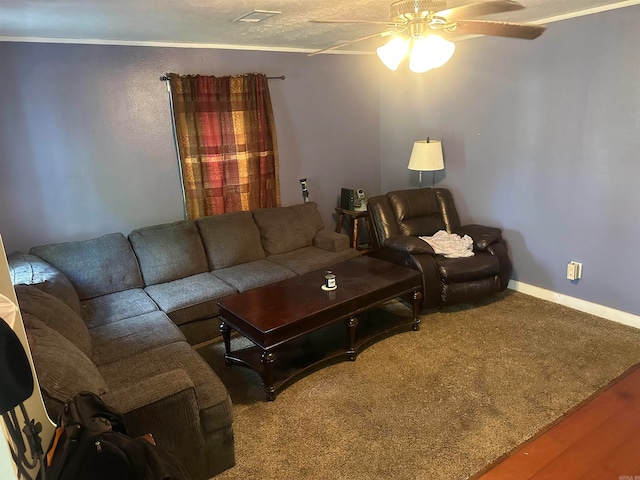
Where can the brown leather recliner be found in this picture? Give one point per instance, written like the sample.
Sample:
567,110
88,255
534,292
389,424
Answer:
398,218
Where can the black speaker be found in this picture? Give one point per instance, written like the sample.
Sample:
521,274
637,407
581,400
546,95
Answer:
347,198
15,370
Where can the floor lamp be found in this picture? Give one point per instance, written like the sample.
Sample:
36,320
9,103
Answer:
426,156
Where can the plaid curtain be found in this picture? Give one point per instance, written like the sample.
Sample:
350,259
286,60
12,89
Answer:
226,139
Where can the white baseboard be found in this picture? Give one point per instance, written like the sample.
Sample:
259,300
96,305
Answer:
577,304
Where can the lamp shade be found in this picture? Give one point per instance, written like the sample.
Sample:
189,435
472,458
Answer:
426,156
430,52
393,52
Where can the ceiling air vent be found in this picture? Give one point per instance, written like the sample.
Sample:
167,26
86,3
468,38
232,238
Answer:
256,16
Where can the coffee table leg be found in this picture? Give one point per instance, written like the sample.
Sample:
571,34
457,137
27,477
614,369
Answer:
352,323
226,336
417,296
267,360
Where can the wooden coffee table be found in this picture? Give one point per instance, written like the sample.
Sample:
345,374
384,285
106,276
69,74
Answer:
295,324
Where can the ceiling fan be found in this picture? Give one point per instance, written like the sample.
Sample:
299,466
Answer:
420,25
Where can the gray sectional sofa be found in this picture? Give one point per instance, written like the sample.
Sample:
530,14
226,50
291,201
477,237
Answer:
119,316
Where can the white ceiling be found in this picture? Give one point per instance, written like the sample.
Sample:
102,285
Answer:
209,23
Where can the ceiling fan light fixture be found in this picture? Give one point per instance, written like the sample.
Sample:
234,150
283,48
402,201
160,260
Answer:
413,21
430,52
393,52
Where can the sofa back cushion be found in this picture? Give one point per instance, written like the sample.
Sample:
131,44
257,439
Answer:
230,239
95,267
56,315
31,270
417,211
280,231
62,369
309,219
169,252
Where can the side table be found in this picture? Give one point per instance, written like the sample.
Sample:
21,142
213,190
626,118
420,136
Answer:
354,217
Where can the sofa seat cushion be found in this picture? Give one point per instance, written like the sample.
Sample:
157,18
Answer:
128,337
95,267
456,270
55,314
253,274
212,396
308,259
169,252
280,231
116,306
191,298
62,369
31,270
230,239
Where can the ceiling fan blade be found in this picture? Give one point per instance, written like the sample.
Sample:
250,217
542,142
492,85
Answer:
355,21
479,9
379,34
497,29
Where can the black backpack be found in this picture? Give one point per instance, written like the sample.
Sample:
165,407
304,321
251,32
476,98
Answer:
91,443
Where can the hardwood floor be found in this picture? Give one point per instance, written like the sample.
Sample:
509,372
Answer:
599,440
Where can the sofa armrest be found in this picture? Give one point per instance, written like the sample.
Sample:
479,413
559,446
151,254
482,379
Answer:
166,406
482,236
408,244
174,387
331,241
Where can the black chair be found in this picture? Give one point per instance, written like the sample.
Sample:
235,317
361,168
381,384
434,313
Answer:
398,218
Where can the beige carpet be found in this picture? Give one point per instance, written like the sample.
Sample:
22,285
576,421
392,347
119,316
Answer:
440,403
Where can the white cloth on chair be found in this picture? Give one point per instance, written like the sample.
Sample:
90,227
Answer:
450,245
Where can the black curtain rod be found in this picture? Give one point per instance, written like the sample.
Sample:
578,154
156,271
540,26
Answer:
165,78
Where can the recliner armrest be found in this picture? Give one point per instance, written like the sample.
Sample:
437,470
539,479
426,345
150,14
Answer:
482,236
408,244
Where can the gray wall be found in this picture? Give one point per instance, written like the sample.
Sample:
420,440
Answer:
540,138
86,146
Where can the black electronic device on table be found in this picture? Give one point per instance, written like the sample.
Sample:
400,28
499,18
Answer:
347,198
353,199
